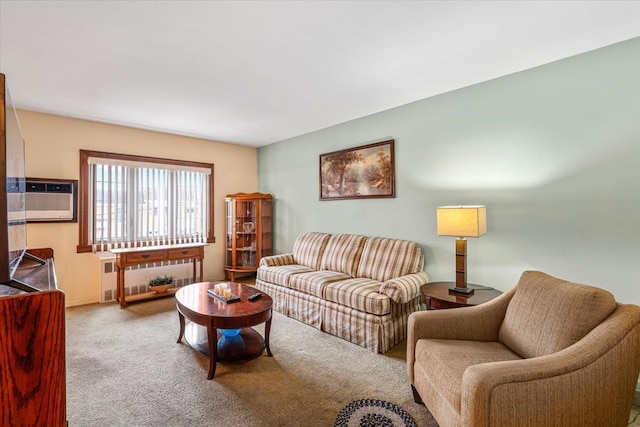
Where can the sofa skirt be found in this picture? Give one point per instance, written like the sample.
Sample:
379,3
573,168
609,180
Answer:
376,333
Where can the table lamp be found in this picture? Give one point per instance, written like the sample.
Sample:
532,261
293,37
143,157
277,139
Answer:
461,222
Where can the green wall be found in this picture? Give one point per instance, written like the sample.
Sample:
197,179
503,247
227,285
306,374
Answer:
554,153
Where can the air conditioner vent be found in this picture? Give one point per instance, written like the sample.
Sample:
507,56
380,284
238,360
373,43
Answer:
50,200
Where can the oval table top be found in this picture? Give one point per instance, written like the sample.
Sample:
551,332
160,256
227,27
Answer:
196,303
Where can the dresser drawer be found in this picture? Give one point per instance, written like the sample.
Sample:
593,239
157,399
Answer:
185,253
142,257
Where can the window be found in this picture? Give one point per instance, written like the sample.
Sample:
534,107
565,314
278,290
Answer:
128,201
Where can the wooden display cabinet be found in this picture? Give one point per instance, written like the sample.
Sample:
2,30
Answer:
248,232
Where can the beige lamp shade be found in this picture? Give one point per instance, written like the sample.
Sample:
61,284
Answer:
462,221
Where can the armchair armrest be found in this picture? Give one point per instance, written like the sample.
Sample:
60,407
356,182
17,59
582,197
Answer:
276,260
588,383
404,288
478,323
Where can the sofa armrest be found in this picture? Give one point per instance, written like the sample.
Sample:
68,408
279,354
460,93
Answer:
404,288
478,323
590,383
276,260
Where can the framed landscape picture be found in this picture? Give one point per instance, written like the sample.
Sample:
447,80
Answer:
363,172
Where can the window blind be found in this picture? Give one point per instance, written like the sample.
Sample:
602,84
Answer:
146,204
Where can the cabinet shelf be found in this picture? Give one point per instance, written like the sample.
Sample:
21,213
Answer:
150,295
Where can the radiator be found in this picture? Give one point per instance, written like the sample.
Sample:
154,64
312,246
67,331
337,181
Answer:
137,276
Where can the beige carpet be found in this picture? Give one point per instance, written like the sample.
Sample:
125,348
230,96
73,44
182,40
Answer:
124,368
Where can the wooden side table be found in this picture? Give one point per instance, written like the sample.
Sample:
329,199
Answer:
126,257
435,295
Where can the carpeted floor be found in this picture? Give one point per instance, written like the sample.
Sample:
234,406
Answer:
124,368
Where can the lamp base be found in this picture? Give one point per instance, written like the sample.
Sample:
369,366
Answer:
461,291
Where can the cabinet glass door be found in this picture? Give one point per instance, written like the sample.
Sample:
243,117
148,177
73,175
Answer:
265,232
246,234
230,242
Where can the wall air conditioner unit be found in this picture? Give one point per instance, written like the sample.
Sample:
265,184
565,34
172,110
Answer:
51,200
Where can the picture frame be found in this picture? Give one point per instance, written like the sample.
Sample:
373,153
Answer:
363,172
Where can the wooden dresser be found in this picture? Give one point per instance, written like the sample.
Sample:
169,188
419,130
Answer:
32,348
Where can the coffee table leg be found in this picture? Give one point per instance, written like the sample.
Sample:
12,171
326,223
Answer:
212,336
267,330
181,317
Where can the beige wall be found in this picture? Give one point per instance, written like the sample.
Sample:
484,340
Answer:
52,151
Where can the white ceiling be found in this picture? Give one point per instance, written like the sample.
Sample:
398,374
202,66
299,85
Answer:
257,72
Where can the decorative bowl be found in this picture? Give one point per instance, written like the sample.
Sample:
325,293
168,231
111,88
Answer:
161,288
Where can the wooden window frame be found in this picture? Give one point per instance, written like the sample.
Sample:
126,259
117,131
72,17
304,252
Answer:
83,196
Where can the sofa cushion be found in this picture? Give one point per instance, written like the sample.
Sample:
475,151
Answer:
547,314
383,259
280,274
308,249
441,363
343,253
314,282
360,293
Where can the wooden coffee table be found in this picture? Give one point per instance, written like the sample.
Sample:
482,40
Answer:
209,315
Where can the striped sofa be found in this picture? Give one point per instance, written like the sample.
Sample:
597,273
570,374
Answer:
359,288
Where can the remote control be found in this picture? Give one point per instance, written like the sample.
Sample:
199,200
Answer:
254,297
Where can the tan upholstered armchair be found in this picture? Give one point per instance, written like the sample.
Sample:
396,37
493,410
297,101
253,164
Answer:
546,353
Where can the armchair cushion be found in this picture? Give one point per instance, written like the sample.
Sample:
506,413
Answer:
547,314
447,361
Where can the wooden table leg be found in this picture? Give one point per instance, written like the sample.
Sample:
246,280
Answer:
181,317
120,287
212,336
267,330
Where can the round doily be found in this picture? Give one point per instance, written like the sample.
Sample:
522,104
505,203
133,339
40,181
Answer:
373,413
